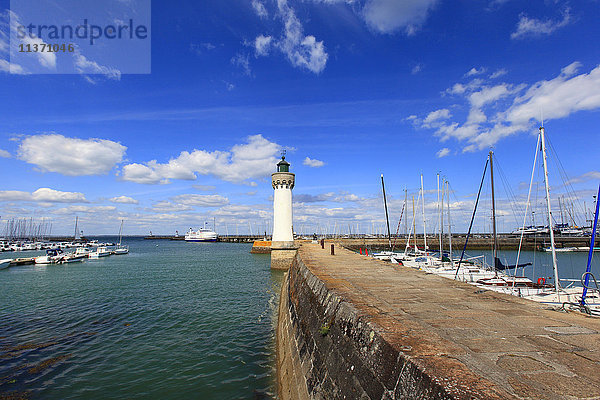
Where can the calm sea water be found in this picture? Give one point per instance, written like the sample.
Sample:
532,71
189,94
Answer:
170,320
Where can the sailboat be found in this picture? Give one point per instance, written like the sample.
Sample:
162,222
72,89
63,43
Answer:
121,249
571,297
473,268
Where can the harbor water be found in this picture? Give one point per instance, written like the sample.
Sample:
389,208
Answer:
170,320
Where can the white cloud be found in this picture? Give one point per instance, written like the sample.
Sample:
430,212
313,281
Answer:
85,66
200,200
262,44
388,16
313,162
43,195
535,27
499,73
437,115
15,195
12,68
475,71
56,196
254,159
557,98
260,9
124,200
490,94
502,110
4,154
46,59
588,176
167,206
443,152
416,69
69,156
303,51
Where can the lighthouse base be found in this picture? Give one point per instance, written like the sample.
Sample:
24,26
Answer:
282,255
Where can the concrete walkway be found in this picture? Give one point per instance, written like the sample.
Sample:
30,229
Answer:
520,349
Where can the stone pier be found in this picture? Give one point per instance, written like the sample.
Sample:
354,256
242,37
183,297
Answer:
357,328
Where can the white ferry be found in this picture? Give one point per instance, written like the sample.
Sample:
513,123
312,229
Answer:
201,235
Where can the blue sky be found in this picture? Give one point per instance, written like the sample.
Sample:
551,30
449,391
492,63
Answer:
351,89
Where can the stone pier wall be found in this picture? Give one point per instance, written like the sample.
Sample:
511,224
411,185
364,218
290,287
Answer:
327,350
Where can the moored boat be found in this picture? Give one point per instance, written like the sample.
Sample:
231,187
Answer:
201,235
100,251
5,263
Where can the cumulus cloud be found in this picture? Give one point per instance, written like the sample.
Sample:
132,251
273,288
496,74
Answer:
437,115
44,195
303,51
124,200
528,27
505,109
443,152
56,196
254,159
70,156
306,52
4,154
313,162
388,16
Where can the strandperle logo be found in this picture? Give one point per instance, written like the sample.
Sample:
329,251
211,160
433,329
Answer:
98,39
92,32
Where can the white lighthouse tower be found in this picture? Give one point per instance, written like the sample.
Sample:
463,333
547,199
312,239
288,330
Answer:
283,249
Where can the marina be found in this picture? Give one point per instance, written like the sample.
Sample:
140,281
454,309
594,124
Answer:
151,323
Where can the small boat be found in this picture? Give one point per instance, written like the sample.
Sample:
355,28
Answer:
5,263
121,249
79,255
100,251
23,261
53,256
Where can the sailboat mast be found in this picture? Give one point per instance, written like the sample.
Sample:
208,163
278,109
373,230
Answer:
493,207
550,227
424,227
387,219
440,210
442,225
121,232
406,219
449,225
414,223
75,235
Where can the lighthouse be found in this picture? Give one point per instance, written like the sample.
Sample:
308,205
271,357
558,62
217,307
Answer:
283,249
